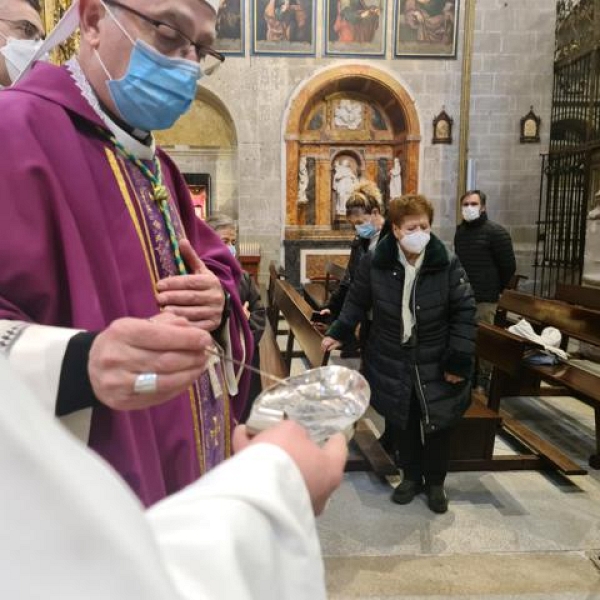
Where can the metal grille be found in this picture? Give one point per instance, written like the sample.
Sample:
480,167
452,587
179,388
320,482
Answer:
561,222
574,139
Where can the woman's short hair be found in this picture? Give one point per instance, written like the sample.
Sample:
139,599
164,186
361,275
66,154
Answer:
364,198
409,205
220,221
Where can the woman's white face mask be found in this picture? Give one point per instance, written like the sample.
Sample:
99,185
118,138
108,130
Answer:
17,54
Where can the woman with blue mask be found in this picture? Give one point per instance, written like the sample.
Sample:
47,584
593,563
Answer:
364,211
225,227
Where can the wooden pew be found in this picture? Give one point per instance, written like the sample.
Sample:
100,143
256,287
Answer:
271,360
273,315
318,291
512,376
582,295
297,312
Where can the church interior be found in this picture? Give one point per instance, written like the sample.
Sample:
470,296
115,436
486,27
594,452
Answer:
433,98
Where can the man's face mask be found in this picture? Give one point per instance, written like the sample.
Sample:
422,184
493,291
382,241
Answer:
17,54
470,213
156,89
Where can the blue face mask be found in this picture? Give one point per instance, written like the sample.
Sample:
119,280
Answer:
232,249
156,89
366,230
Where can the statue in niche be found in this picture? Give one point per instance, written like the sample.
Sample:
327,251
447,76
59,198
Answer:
594,214
348,115
302,181
382,180
396,179
344,180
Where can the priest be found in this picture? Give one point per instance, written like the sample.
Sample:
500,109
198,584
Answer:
72,530
112,292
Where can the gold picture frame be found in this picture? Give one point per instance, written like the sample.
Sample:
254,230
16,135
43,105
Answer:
442,128
530,128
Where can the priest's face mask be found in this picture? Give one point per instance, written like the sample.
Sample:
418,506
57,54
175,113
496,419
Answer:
20,33
158,82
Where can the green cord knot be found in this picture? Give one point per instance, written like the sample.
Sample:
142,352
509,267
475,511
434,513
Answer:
160,192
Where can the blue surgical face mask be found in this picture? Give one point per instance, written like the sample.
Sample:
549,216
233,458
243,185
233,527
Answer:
232,249
156,89
366,230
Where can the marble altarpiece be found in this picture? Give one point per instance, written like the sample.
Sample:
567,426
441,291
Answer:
346,131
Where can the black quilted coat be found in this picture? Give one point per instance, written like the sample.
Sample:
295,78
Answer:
443,338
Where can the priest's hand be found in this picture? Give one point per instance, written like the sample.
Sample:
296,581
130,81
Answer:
199,296
168,346
321,467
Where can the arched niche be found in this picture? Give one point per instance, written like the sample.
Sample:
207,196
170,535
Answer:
354,109
204,143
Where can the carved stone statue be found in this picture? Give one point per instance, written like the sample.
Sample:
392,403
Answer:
302,181
344,180
348,114
396,180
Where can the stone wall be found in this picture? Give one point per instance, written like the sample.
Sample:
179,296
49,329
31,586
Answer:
512,70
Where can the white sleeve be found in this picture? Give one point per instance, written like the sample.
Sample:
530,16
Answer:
247,527
36,353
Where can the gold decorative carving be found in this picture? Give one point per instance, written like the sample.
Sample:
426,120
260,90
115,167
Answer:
53,12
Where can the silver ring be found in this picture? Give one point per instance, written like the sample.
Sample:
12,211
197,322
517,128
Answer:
145,383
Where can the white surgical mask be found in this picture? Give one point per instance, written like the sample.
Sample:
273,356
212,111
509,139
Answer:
17,54
470,213
415,242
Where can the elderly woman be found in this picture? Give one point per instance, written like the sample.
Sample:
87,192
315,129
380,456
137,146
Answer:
419,353
226,229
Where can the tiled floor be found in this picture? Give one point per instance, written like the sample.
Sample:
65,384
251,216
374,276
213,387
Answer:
508,535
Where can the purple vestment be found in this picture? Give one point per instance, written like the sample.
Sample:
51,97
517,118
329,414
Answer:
82,245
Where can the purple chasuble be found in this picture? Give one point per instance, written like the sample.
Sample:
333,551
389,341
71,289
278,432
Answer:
83,245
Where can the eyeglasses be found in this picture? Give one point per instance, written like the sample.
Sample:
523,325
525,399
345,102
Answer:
169,41
27,29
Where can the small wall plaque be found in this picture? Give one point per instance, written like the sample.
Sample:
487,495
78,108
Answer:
442,128
530,128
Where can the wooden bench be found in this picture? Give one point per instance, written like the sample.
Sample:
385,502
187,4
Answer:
582,295
512,376
318,291
273,314
297,312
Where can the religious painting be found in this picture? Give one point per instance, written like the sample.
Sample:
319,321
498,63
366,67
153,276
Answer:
426,28
530,128
442,128
355,27
199,186
230,27
283,27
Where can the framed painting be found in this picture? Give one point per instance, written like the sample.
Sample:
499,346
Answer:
200,192
230,27
426,28
283,27
355,27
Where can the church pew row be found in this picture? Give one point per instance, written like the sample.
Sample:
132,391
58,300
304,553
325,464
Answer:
513,376
317,292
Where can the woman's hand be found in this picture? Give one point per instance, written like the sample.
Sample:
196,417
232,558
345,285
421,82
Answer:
329,344
450,378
